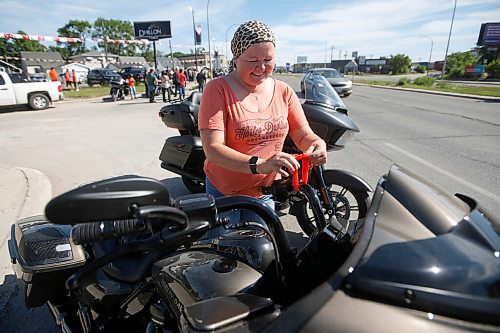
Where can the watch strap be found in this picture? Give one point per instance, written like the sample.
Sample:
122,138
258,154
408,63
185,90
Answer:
252,162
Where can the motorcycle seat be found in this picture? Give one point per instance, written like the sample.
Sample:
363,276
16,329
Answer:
132,268
195,98
193,101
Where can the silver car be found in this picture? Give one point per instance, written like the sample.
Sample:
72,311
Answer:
341,84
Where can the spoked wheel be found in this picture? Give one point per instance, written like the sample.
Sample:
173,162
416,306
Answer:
194,185
350,204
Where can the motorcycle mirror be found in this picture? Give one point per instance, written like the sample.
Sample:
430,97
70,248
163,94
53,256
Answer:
109,199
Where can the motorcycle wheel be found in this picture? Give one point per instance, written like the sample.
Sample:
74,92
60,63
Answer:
350,204
114,96
193,185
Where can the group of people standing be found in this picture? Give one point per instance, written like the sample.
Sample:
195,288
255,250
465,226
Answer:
171,81
69,79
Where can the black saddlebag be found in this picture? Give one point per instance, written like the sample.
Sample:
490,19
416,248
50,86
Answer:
183,151
179,116
43,257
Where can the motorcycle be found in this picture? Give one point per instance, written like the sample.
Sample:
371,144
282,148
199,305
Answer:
119,89
343,194
121,255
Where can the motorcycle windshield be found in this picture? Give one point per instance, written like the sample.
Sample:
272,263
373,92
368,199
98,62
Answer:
320,91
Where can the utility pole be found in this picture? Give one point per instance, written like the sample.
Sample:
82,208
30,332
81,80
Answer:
448,45
105,39
208,32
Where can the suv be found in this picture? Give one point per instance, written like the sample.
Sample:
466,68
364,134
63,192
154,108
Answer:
102,76
138,72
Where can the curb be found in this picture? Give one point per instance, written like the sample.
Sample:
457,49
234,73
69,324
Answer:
422,91
38,194
25,192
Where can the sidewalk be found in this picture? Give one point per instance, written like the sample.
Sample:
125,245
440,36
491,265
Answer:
23,192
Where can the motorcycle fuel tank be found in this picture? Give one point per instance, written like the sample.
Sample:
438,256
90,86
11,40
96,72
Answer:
189,277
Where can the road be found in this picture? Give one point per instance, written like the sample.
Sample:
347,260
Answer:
451,141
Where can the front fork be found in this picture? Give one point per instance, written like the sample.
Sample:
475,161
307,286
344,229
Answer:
317,173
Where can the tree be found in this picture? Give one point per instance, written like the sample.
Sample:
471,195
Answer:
493,68
420,69
75,29
457,62
115,29
400,64
487,53
13,47
18,45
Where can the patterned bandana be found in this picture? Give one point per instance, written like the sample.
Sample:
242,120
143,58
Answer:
247,34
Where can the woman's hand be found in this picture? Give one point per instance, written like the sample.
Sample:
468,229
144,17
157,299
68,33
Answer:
276,164
317,153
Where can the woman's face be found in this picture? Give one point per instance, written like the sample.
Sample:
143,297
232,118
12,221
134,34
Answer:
256,63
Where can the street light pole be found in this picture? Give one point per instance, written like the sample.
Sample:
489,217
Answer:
194,37
449,36
430,55
208,33
232,25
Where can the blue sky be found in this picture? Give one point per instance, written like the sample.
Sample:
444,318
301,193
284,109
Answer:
309,28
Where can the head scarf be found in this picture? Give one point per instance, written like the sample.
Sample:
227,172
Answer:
247,34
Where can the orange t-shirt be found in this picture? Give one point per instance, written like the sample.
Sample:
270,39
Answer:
259,134
131,81
53,75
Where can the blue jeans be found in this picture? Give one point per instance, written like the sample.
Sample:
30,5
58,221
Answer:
132,92
235,216
182,92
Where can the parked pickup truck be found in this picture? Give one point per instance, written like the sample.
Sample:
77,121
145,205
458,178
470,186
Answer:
38,95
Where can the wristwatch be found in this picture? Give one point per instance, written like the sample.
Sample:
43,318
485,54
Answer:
253,164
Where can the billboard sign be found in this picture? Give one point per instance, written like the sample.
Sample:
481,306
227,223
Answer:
152,30
489,34
301,59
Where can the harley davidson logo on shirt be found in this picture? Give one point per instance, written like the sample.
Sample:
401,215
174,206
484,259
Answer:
262,131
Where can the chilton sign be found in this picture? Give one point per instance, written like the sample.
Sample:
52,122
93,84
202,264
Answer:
152,30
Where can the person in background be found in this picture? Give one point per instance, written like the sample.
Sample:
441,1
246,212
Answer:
53,74
131,86
165,86
201,79
245,117
67,79
175,80
182,84
152,82
75,80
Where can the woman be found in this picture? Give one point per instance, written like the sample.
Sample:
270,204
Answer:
165,86
245,117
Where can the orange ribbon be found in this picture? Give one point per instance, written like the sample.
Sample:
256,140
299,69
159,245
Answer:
305,171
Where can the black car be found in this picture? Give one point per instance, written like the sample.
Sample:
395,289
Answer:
138,72
102,76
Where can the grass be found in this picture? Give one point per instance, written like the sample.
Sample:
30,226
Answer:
442,86
94,91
